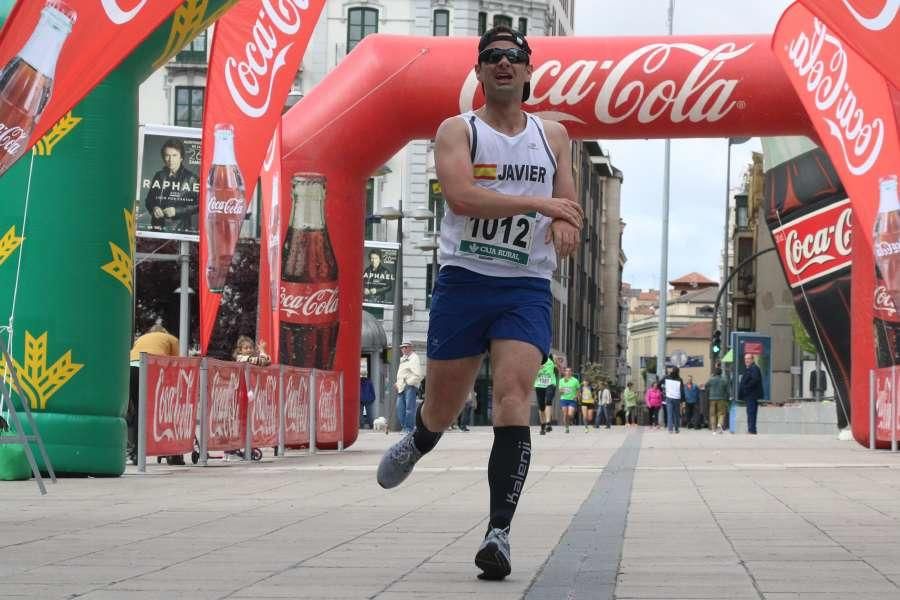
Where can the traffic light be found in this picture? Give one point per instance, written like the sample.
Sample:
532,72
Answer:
716,342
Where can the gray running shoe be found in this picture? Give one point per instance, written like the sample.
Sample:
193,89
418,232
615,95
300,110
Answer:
398,462
493,555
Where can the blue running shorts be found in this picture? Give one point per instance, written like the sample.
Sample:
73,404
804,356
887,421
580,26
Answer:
468,310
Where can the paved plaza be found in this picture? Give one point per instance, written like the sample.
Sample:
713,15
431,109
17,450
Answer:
607,514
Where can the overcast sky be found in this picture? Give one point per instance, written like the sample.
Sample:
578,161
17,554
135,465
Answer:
698,165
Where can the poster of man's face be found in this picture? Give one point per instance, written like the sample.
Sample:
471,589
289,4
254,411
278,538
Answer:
379,274
169,184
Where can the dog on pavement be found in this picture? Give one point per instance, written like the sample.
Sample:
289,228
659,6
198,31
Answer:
379,424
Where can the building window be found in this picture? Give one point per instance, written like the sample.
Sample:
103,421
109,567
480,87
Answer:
436,202
741,214
523,26
442,22
482,23
195,51
370,208
503,20
744,317
360,23
189,106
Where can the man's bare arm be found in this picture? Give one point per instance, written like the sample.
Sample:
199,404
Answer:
566,236
454,170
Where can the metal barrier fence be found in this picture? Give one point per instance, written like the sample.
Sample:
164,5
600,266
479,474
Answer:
194,405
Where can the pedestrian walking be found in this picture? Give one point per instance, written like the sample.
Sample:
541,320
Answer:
493,289
750,390
366,401
465,416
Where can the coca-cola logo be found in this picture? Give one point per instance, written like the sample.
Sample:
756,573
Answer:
880,21
296,404
885,248
250,81
884,302
860,139
11,138
319,303
119,15
817,243
702,96
224,408
265,409
327,405
173,407
230,206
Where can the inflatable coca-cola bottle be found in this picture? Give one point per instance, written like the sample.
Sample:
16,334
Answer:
809,214
26,81
225,208
886,243
308,316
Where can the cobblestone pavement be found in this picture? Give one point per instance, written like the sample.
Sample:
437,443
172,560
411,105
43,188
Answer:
607,514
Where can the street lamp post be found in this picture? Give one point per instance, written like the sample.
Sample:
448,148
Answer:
390,213
733,141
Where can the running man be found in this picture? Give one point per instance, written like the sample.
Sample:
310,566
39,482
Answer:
568,397
545,390
511,212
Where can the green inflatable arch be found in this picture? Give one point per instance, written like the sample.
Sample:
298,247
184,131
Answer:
73,294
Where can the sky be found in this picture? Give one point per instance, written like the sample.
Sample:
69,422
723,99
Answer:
698,178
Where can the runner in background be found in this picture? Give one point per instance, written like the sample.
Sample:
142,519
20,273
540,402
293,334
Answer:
545,390
568,397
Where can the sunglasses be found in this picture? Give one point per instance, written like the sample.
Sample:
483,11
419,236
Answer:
495,55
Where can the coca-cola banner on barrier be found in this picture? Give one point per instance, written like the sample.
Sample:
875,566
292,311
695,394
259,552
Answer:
270,249
262,398
257,49
329,428
227,405
871,27
53,53
851,108
173,393
296,406
887,418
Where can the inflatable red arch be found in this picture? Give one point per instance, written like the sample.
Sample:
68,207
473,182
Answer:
394,89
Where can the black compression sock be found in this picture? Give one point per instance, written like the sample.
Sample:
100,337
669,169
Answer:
424,440
507,470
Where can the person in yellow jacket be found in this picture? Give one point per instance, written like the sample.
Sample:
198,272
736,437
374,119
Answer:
157,342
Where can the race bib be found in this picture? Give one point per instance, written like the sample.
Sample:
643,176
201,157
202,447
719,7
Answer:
544,380
508,239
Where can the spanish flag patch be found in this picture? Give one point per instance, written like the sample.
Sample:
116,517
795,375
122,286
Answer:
485,171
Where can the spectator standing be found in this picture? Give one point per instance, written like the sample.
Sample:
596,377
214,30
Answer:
465,415
606,403
718,393
691,404
568,396
409,376
751,390
653,399
629,397
366,401
245,350
673,389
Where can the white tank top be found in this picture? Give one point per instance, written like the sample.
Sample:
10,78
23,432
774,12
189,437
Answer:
519,165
